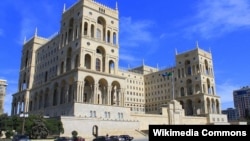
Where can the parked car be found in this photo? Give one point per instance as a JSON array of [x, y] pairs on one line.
[[126, 137], [20, 138], [101, 138], [63, 139], [116, 138]]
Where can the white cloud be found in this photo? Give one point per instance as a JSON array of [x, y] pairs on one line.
[[135, 32], [217, 17], [5, 72], [225, 91], [139, 36], [28, 26]]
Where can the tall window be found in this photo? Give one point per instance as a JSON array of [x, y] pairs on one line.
[[98, 34], [98, 64], [114, 38]]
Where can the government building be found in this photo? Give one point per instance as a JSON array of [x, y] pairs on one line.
[[3, 86], [75, 76]]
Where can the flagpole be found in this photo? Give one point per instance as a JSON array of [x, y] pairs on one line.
[[172, 84]]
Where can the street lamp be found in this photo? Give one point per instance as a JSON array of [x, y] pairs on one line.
[[23, 115]]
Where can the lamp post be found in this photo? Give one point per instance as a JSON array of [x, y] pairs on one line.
[[23, 115]]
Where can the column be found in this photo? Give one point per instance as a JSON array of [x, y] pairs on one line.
[[109, 94]]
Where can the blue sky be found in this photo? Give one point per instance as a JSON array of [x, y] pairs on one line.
[[149, 31]]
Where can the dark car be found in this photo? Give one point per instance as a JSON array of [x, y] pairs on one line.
[[21, 138], [63, 139], [126, 137], [101, 138], [115, 138]]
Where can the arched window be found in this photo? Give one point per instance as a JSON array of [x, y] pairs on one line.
[[98, 64], [114, 38], [98, 34], [111, 67], [188, 68], [87, 61], [108, 37], [206, 67], [182, 91], [62, 68], [85, 32], [209, 89], [77, 61], [189, 87], [68, 60], [92, 31]]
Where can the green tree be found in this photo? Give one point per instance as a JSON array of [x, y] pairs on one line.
[[3, 119], [1, 133], [54, 126], [34, 125], [39, 130], [8, 134]]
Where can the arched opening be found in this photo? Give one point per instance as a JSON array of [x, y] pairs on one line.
[[88, 90], [77, 61], [101, 59], [87, 61], [95, 130], [62, 68], [188, 68], [208, 106], [209, 90], [189, 87], [189, 110], [26, 58], [116, 98], [92, 31], [103, 91], [46, 98], [182, 91], [55, 94], [101, 28], [114, 38], [98, 64], [71, 28], [85, 32], [68, 60], [62, 92], [111, 67], [206, 67], [108, 36], [197, 89]]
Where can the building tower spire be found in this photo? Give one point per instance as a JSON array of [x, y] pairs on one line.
[[210, 50], [116, 5], [64, 7], [197, 44], [36, 32], [24, 41]]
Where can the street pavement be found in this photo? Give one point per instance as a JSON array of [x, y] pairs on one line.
[[141, 139]]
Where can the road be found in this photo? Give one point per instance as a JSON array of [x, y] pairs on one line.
[[141, 139]]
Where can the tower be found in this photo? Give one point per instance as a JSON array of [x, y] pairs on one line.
[[195, 83], [3, 85], [77, 65]]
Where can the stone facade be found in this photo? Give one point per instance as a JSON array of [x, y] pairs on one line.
[[3, 86], [75, 75]]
